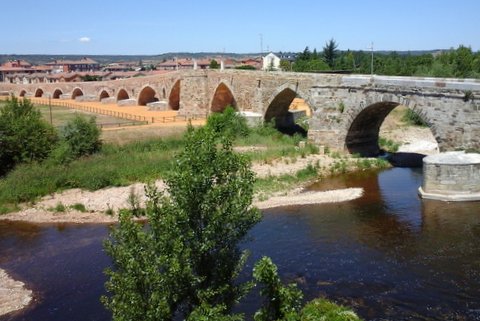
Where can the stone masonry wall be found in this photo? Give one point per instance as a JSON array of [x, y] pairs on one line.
[[337, 101]]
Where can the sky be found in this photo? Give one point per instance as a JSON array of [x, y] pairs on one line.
[[149, 27]]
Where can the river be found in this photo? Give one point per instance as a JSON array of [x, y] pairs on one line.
[[389, 255]]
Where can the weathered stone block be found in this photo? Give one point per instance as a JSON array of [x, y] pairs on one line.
[[127, 102], [452, 176]]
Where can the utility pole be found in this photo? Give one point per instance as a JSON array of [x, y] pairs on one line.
[[371, 63], [50, 108], [261, 44]]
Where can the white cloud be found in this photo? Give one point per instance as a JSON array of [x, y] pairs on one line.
[[84, 39]]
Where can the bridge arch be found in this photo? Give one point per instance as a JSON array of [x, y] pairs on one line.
[[174, 97], [22, 93], [77, 92], [103, 94], [39, 92], [278, 107], [364, 127], [222, 98], [147, 95], [57, 93], [122, 94]]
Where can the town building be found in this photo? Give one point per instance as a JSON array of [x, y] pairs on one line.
[[271, 62], [81, 65]]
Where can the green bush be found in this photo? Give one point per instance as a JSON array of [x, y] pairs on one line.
[[412, 118], [228, 124], [24, 136], [81, 137], [322, 309]]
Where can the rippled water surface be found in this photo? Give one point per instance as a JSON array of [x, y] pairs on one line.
[[388, 254]]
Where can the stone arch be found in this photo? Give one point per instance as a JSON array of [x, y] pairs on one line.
[[103, 94], [22, 93], [147, 95], [174, 97], [39, 92], [122, 94], [364, 127], [222, 98], [57, 93], [77, 92]]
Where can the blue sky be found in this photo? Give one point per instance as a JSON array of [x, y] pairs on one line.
[[154, 27]]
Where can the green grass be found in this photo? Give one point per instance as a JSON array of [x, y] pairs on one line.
[[265, 187], [113, 166], [388, 145], [120, 165], [62, 115], [78, 207]]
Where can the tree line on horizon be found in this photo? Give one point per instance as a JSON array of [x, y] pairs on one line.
[[461, 62]]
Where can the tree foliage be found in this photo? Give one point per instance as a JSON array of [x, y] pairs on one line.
[[188, 259], [214, 64], [461, 62], [24, 135], [330, 53], [284, 303], [281, 302], [228, 123], [80, 137]]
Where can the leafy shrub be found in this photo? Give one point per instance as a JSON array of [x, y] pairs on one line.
[[81, 137], [228, 124], [24, 135], [78, 207], [388, 144], [322, 309], [412, 118]]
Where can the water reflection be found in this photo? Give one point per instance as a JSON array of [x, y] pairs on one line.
[[389, 254]]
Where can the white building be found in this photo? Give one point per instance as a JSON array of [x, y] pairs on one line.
[[271, 62]]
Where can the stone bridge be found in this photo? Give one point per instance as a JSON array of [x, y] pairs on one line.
[[348, 110]]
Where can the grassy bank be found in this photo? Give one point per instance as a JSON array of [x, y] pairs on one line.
[[121, 165]]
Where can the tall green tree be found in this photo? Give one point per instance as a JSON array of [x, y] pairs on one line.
[[188, 258], [330, 52], [24, 135], [214, 64]]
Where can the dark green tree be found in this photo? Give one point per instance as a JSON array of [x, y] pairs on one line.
[[330, 52], [188, 259], [80, 137], [24, 135], [214, 64], [305, 55]]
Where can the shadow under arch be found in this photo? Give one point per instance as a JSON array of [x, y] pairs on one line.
[[22, 93], [278, 110], [57, 93], [103, 94], [147, 95], [222, 98], [77, 92], [363, 132], [174, 97], [39, 92], [122, 95]]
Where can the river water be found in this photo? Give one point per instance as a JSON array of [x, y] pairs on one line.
[[389, 255]]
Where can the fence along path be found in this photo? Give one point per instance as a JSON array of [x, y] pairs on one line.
[[136, 113]]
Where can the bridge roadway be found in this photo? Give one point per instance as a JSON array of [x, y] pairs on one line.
[[348, 110]]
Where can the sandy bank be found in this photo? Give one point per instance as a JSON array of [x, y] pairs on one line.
[[98, 202], [13, 294], [333, 196]]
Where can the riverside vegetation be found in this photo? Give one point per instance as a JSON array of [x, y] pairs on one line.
[[66, 162]]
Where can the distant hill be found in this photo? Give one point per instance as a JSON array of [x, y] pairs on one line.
[[39, 59]]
